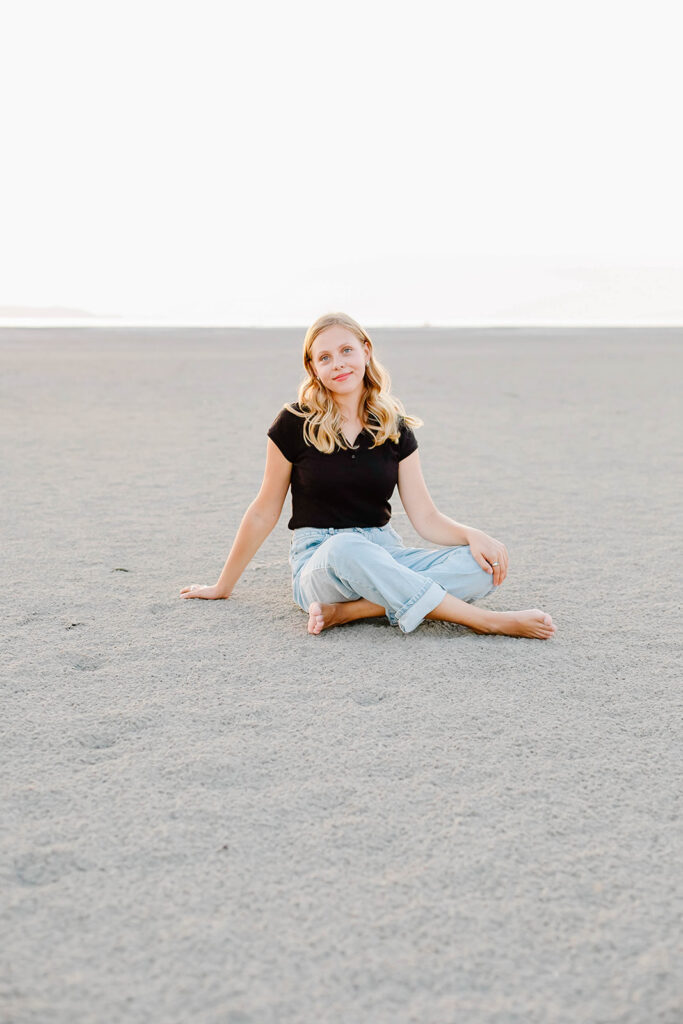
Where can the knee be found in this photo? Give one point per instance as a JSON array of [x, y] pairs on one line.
[[343, 547], [482, 581]]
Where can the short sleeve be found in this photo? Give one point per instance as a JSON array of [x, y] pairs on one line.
[[286, 432], [407, 442]]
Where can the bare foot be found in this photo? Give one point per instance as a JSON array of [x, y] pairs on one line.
[[530, 623], [322, 616]]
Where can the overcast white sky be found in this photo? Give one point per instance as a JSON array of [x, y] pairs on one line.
[[265, 162]]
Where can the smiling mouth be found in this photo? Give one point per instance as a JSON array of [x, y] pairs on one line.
[[343, 376]]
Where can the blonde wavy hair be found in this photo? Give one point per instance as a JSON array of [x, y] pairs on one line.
[[381, 412]]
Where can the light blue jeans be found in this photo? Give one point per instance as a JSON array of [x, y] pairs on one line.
[[334, 565]]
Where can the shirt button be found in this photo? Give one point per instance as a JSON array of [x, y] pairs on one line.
[[353, 456]]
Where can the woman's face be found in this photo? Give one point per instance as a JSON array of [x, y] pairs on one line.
[[338, 358]]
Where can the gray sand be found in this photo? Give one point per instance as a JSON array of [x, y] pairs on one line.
[[211, 816]]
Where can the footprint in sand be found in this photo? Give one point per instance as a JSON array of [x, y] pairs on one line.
[[366, 698], [48, 867], [97, 741], [85, 663]]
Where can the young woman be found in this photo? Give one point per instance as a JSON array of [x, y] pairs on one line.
[[343, 447]]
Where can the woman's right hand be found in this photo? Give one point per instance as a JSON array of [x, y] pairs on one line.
[[200, 590]]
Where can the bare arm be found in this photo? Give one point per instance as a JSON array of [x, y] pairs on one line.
[[425, 517], [434, 526], [258, 521]]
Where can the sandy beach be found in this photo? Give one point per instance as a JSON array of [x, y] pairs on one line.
[[210, 816]]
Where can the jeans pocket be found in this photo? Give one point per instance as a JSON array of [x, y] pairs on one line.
[[392, 532], [303, 544]]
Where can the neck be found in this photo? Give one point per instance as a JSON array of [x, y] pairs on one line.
[[350, 407], [349, 415]]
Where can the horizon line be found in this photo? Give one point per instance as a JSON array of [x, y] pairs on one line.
[[96, 323]]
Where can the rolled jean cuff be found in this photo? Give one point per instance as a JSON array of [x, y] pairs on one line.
[[413, 612]]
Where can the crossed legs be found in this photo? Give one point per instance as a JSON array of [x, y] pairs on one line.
[[349, 575], [531, 623]]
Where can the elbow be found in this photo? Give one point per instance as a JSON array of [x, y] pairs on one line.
[[425, 525]]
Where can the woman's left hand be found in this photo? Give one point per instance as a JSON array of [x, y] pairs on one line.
[[487, 550]]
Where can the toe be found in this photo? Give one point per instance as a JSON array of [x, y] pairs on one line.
[[315, 622]]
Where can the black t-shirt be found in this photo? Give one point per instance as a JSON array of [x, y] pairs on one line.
[[345, 488]]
